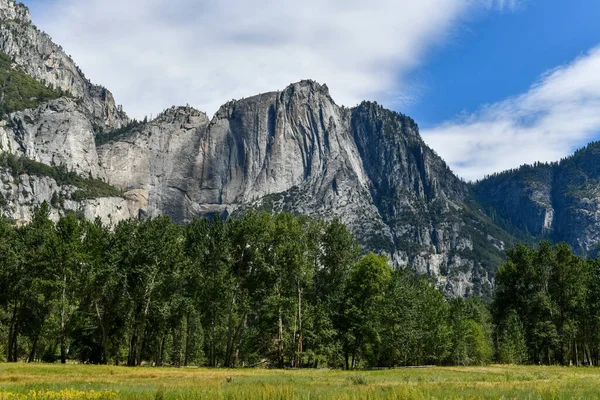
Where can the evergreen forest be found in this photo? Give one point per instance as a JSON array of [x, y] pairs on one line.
[[280, 291]]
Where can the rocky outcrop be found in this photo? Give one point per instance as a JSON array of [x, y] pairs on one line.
[[56, 133], [19, 197], [12, 11], [39, 57], [155, 163]]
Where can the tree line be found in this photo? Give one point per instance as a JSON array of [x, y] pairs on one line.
[[260, 290], [276, 291], [547, 307]]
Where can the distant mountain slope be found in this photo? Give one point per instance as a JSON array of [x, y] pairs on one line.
[[559, 201]]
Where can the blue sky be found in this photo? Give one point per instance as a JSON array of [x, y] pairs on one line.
[[498, 55], [493, 84]]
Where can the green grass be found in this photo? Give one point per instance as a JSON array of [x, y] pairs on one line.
[[493, 382]]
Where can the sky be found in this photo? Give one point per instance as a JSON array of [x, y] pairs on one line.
[[493, 84]]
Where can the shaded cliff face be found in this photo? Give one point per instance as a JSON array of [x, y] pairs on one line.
[[559, 201], [521, 199], [576, 195], [437, 226]]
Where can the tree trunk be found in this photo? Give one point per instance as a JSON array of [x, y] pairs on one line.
[[230, 330], [354, 351], [12, 336], [188, 340], [104, 356], [63, 322], [300, 349], [238, 337], [132, 356], [31, 357], [63, 350], [213, 333], [161, 351], [16, 347], [280, 336]]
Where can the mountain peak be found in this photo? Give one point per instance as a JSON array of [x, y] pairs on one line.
[[11, 10], [307, 87], [177, 112]]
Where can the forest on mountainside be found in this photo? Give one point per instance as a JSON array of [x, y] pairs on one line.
[[19, 91]]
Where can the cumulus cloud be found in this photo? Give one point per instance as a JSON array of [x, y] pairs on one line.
[[557, 114], [156, 53]]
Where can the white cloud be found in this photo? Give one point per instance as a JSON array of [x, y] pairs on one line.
[[156, 53], [557, 114]]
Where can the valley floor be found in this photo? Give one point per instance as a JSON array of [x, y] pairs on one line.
[[492, 382]]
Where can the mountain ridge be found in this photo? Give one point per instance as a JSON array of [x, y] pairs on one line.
[[558, 201], [294, 150]]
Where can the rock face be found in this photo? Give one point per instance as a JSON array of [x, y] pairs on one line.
[[56, 133], [154, 165], [47, 62], [296, 150], [522, 196], [293, 150], [559, 201], [10, 10], [19, 197]]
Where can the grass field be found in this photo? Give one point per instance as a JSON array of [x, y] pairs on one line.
[[493, 382]]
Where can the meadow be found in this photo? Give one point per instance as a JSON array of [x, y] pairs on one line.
[[39, 381]]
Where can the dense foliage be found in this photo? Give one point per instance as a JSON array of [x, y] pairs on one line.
[[104, 136], [88, 187], [547, 306], [279, 291], [19, 91]]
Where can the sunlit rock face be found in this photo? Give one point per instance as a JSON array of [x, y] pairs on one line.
[[296, 150], [293, 150]]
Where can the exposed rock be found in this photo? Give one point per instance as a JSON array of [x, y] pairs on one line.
[[10, 10], [56, 133], [35, 52], [524, 194], [19, 198], [559, 201], [296, 150], [154, 164]]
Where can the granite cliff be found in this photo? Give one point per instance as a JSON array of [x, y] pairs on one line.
[[293, 150]]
